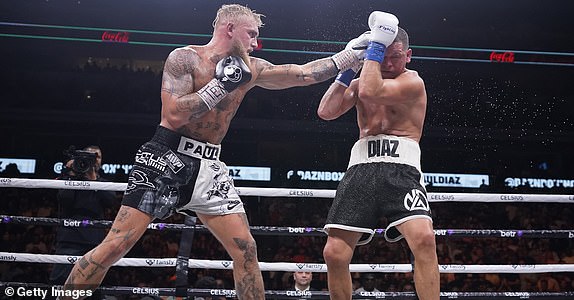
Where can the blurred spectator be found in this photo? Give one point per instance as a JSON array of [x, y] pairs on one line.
[[367, 283], [547, 284], [302, 281], [11, 171]]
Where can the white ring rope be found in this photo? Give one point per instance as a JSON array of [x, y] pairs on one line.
[[283, 266], [287, 192]]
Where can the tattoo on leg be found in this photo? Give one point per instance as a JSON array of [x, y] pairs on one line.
[[248, 249], [126, 238], [123, 215], [98, 267], [83, 263], [247, 286]]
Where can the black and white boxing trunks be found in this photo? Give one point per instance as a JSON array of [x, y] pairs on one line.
[[173, 173], [384, 179]]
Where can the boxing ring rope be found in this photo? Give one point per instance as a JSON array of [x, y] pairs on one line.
[[290, 267], [295, 231], [286, 192], [298, 231]]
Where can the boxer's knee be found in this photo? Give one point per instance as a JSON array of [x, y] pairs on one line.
[[423, 244], [335, 254]]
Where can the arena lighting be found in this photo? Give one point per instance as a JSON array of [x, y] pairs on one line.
[[435, 53]]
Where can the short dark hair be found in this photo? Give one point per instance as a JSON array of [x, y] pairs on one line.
[[402, 37]]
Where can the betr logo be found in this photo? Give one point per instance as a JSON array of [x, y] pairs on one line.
[[71, 223], [507, 233], [296, 230]]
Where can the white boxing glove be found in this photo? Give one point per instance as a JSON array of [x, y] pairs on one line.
[[384, 28], [359, 44], [353, 54]]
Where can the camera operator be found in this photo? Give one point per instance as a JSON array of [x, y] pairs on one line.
[[80, 205]]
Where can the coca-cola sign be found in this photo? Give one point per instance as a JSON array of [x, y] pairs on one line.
[[507, 57], [116, 37]]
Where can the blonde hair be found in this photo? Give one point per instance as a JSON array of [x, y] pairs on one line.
[[232, 12]]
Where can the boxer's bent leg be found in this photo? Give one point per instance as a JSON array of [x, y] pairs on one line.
[[420, 237], [232, 230], [338, 253], [127, 229]]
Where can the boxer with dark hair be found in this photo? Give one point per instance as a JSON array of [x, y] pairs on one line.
[[179, 169], [384, 177]]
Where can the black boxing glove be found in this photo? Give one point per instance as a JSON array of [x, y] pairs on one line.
[[230, 73]]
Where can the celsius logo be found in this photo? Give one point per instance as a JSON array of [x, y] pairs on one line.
[[416, 200]]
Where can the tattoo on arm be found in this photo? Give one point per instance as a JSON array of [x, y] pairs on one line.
[[178, 81], [315, 71], [191, 103], [321, 70]]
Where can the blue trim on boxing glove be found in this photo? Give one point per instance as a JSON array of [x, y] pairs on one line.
[[346, 77], [375, 51]]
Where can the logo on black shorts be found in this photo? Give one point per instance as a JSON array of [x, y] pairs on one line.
[[173, 162], [138, 178], [416, 200]]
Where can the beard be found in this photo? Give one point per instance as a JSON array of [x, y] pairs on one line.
[[237, 49]]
